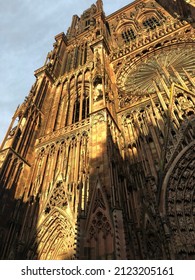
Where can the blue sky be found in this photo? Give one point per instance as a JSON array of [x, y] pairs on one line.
[[27, 31]]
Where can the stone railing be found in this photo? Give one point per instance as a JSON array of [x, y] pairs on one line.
[[148, 37], [61, 132]]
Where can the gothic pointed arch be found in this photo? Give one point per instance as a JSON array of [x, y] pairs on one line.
[[54, 238], [99, 226], [150, 18], [55, 233], [152, 242], [58, 197], [104, 139], [178, 202]]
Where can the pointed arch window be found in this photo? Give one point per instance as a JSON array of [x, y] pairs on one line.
[[151, 23], [128, 35], [69, 62], [76, 55], [76, 110], [85, 106], [81, 107], [85, 53]]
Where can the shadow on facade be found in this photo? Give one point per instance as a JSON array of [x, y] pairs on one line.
[[18, 225], [122, 219], [179, 8], [165, 192], [129, 214]]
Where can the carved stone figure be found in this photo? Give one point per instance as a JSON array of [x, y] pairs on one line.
[[98, 161]]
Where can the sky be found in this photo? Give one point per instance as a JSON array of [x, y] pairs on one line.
[[27, 31]]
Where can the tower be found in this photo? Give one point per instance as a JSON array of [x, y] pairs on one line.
[[98, 161]]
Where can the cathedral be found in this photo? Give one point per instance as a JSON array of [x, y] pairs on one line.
[[99, 160]]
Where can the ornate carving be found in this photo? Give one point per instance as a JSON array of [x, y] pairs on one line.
[[80, 126], [173, 151], [148, 38], [103, 106], [58, 198], [153, 244], [98, 118], [99, 202], [180, 201], [55, 237], [99, 223], [139, 80]]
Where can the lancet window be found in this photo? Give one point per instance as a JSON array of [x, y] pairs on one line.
[[76, 110], [81, 107], [151, 23], [69, 62], [128, 35], [85, 106], [76, 57]]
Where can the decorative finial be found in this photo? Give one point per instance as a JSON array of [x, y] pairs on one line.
[[99, 4]]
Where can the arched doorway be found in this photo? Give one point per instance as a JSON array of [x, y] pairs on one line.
[[178, 203]]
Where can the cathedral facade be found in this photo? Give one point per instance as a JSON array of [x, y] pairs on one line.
[[99, 160]]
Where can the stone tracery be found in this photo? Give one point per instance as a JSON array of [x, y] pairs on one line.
[[180, 203], [107, 130]]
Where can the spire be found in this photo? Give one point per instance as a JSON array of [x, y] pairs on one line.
[[99, 4]]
